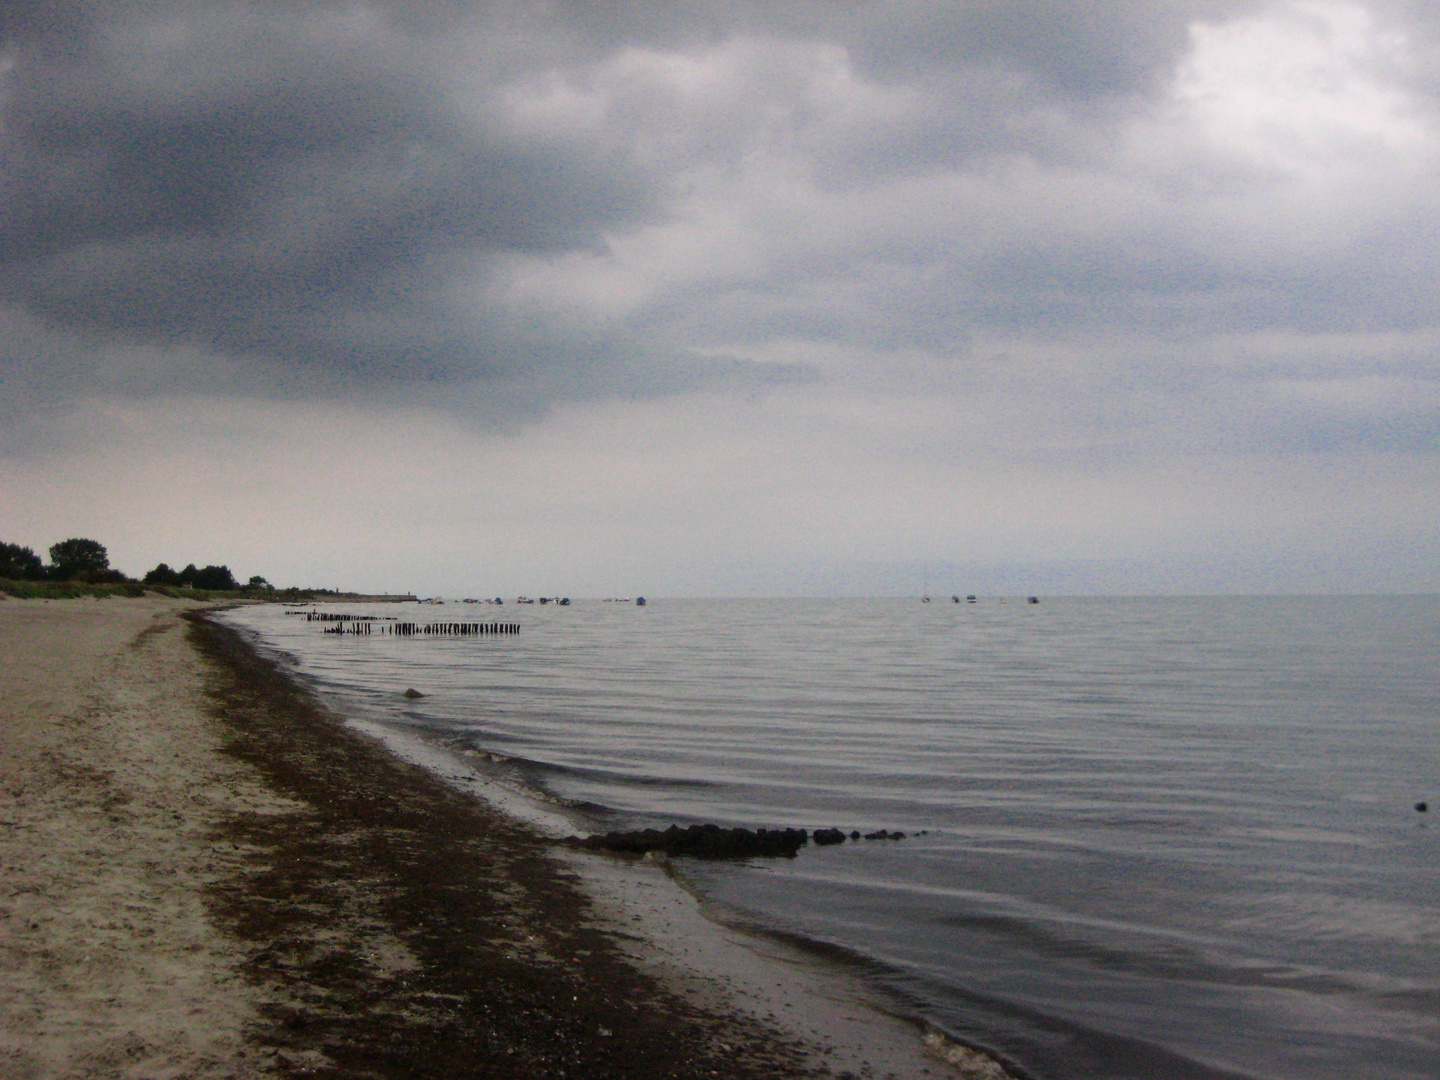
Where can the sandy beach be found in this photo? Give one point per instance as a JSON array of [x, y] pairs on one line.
[[203, 873], [113, 785]]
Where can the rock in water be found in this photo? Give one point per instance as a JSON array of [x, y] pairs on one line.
[[413, 693], [702, 841]]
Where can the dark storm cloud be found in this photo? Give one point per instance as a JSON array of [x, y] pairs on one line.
[[243, 179], [1077, 50], [330, 199]]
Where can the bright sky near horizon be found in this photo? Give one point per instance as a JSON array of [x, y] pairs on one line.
[[802, 297]]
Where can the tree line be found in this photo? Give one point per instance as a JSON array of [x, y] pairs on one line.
[[82, 560]]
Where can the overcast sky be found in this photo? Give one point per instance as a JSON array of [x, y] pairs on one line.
[[727, 298]]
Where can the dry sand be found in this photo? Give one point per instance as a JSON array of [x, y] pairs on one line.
[[111, 786], [205, 874]]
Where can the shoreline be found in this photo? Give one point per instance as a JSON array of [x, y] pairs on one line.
[[364, 917], [838, 1025]]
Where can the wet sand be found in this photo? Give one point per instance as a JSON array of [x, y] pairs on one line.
[[203, 873]]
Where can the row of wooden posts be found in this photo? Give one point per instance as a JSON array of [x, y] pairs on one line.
[[407, 629], [374, 624]]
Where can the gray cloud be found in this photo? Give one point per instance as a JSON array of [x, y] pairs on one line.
[[260, 184], [501, 206]]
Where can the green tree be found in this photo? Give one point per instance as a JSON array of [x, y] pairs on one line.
[[162, 575], [78, 559], [211, 577], [20, 562]]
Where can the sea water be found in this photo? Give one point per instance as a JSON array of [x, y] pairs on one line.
[[1148, 838]]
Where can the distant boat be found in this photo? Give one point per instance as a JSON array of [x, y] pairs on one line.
[[639, 601]]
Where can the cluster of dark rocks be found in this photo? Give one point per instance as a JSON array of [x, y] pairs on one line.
[[717, 842]]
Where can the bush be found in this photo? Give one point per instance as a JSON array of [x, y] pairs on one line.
[[67, 590]]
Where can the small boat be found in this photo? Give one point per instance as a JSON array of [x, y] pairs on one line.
[[639, 601]]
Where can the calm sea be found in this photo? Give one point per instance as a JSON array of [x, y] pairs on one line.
[[1147, 838]]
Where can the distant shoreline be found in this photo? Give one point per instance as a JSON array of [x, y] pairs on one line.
[[24, 589]]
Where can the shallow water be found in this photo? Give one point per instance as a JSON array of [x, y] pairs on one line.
[[1148, 838]]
